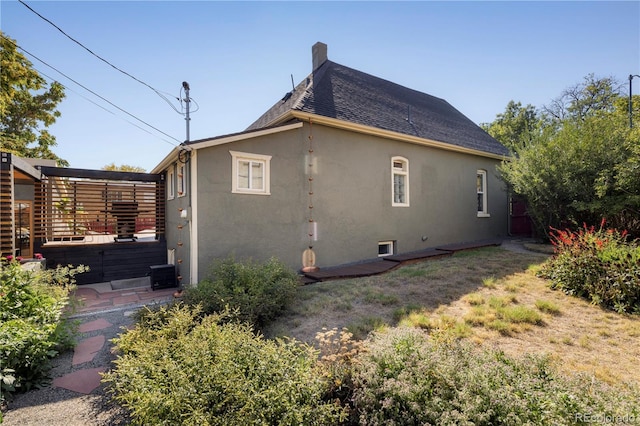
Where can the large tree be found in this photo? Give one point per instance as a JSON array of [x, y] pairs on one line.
[[123, 168], [580, 101], [27, 105], [583, 167], [516, 127]]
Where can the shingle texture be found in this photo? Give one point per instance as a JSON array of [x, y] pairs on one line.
[[343, 93]]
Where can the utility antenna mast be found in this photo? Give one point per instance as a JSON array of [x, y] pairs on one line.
[[187, 101]]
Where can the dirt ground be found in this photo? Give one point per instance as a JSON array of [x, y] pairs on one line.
[[581, 337]]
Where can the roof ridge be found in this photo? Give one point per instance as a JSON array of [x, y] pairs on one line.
[[308, 84], [311, 80], [340, 92], [388, 81]]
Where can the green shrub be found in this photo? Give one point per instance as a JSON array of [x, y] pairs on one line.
[[597, 264], [404, 378], [259, 292], [174, 369], [32, 326]]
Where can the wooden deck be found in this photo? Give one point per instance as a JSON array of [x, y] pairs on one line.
[[470, 245], [385, 264], [364, 269], [419, 255]]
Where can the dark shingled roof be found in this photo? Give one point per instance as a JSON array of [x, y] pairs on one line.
[[343, 93]]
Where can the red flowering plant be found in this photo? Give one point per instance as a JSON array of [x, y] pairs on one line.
[[598, 264]]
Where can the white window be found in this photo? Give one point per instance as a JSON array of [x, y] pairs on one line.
[[481, 186], [250, 173], [400, 181], [171, 182], [385, 248], [182, 180]]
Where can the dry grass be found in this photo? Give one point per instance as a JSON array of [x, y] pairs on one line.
[[490, 296]]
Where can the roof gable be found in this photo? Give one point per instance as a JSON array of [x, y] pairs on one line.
[[343, 93]]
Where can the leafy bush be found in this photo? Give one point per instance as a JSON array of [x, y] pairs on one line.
[[579, 168], [174, 369], [259, 292], [405, 378], [32, 327], [597, 264]]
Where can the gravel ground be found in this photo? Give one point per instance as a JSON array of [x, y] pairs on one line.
[[58, 406]]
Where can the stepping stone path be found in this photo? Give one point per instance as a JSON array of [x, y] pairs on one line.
[[104, 313], [95, 299], [85, 380], [81, 381], [76, 391]]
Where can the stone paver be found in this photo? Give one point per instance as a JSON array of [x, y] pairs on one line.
[[81, 381], [86, 293], [87, 349], [94, 304], [99, 324], [123, 300]]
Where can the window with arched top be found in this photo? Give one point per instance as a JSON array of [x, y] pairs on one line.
[[399, 181]]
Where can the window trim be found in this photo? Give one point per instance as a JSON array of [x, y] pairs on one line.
[[484, 191], [403, 171], [392, 248], [171, 183], [181, 180], [236, 157]]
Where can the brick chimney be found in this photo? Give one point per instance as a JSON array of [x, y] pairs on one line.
[[318, 54]]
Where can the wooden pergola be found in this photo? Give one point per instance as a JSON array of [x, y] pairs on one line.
[[74, 204], [113, 222]]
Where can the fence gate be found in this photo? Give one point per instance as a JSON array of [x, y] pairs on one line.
[[520, 223]]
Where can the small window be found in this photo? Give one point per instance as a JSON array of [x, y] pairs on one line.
[[481, 186], [182, 180], [171, 182], [250, 173], [400, 181], [385, 248]]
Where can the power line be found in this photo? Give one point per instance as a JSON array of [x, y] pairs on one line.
[[101, 58], [102, 107], [190, 99], [89, 90]]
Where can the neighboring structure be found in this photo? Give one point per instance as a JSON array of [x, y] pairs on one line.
[[17, 179], [112, 222], [349, 164]]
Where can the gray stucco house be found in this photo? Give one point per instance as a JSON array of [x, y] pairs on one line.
[[352, 165]]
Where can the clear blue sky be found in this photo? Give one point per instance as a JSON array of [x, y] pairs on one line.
[[238, 58]]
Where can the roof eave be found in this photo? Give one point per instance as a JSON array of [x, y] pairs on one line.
[[206, 143], [360, 128], [244, 136], [19, 163], [166, 161]]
